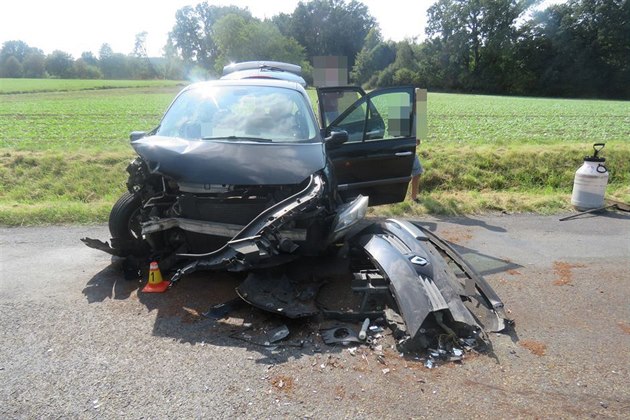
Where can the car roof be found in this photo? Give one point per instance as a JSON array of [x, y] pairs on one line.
[[264, 73], [264, 70]]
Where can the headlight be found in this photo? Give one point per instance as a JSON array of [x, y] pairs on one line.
[[348, 215]]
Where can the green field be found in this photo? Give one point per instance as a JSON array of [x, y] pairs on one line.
[[64, 85], [64, 148]]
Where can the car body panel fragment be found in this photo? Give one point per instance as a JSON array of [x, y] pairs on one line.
[[231, 162], [278, 293], [425, 288]]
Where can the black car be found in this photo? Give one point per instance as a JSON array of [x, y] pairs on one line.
[[233, 158], [241, 175]]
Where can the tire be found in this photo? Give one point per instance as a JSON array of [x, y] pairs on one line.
[[124, 219]]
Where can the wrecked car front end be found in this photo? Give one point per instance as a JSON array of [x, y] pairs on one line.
[[235, 176]]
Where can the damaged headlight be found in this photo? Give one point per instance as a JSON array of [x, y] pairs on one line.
[[348, 215]]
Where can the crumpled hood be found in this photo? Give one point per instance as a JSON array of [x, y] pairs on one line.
[[231, 162]]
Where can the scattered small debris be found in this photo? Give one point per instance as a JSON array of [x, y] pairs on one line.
[[535, 347], [282, 383], [385, 371]]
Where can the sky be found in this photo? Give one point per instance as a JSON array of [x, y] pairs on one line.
[[77, 26]]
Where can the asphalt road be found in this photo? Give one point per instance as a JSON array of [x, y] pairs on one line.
[[79, 341]]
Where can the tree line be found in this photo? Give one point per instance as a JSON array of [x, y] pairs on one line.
[[18, 59], [580, 48]]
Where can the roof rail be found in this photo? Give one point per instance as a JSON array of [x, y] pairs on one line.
[[269, 65]]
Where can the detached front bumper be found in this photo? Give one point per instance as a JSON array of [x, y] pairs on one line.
[[435, 289]]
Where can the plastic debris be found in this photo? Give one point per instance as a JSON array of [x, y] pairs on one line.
[[364, 327], [339, 335], [277, 334], [221, 310]]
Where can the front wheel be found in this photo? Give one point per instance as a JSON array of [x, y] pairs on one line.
[[124, 219]]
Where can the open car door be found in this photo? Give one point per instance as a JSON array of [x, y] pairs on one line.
[[377, 159]]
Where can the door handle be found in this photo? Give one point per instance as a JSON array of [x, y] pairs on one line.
[[401, 154]]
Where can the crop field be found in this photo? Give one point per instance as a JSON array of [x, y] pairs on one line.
[[64, 85], [64, 148]]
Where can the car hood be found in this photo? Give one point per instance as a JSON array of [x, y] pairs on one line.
[[230, 162]]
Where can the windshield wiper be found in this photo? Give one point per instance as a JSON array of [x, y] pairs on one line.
[[256, 139]]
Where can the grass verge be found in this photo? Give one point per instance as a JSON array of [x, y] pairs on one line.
[[80, 187], [64, 148]]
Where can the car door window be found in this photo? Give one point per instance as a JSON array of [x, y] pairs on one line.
[[335, 103], [382, 116], [391, 116]]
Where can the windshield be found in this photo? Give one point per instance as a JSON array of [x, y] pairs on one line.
[[239, 113]]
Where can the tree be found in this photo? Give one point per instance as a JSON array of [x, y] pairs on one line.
[[474, 41], [375, 56], [89, 58], [113, 65], [11, 68], [143, 68], [26, 59], [329, 27], [59, 64], [239, 39], [105, 52], [34, 65], [580, 48], [83, 70], [174, 65], [17, 49], [193, 37]]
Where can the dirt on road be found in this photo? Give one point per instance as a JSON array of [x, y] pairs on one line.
[[79, 341]]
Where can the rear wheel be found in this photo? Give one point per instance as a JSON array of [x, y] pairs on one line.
[[124, 219]]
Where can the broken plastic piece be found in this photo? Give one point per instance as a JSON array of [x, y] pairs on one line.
[[277, 334], [364, 327], [339, 335], [221, 310]]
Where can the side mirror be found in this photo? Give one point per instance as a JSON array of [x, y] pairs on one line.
[[336, 138], [136, 135]]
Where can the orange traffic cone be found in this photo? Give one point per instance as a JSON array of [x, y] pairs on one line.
[[155, 284]]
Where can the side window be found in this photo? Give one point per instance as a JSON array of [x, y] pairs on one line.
[[390, 116], [334, 104], [353, 123], [381, 115]]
